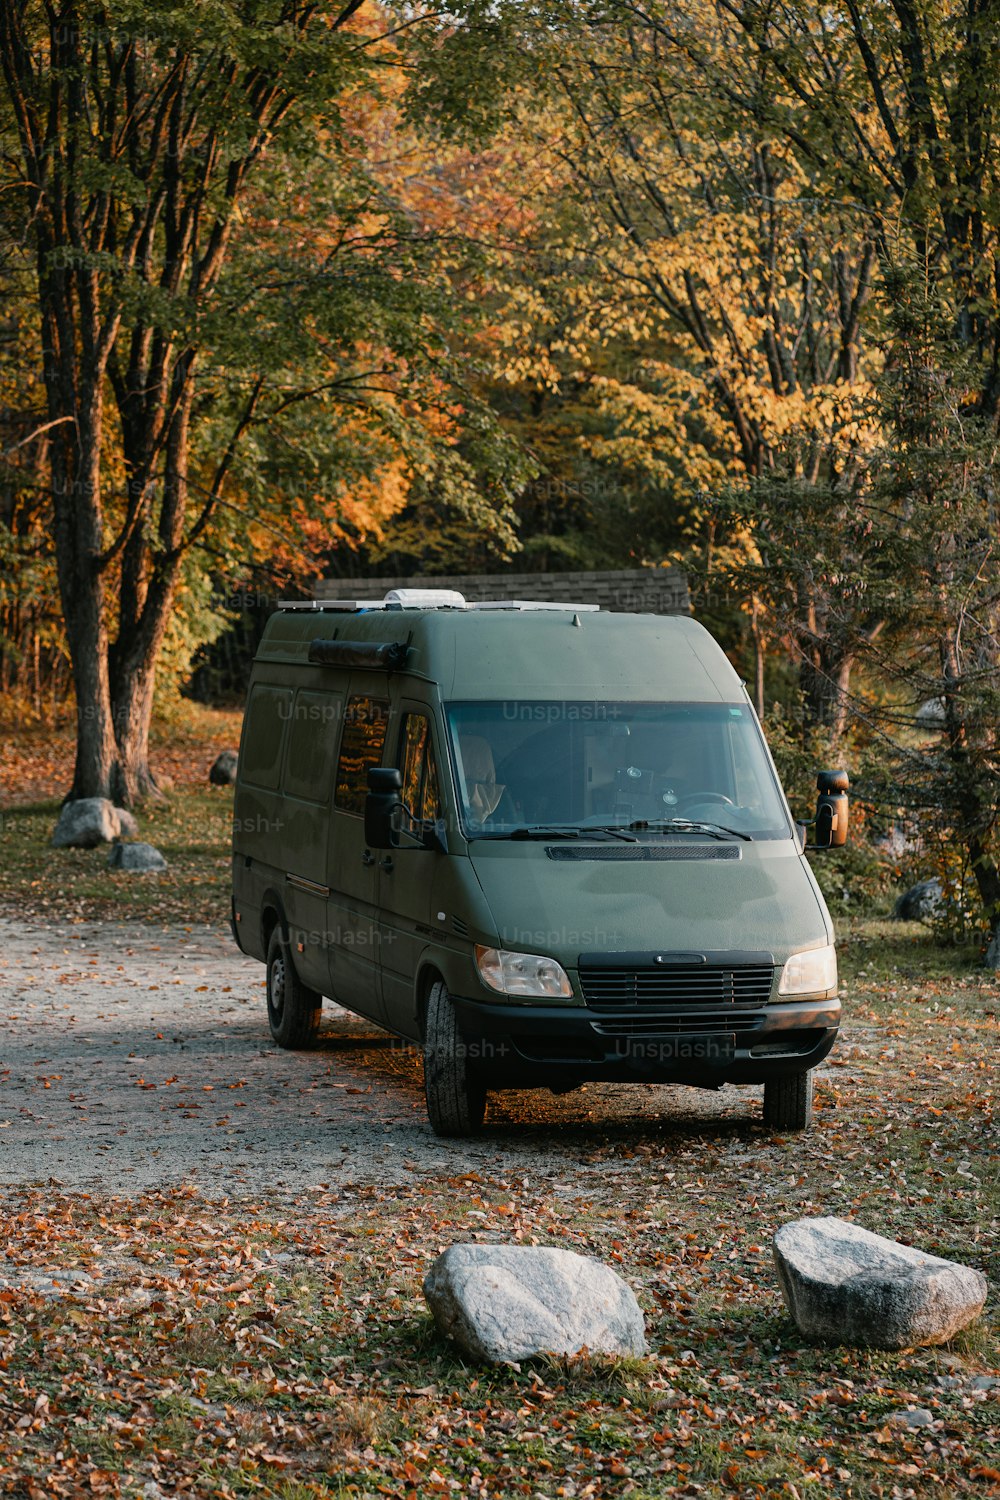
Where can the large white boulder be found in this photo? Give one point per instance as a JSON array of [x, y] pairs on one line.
[[846, 1285], [505, 1303]]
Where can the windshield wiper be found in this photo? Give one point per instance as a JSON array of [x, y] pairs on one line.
[[558, 831], [536, 831], [539, 831], [617, 830], [686, 825]]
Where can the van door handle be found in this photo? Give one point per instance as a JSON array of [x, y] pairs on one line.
[[368, 857], [386, 864]]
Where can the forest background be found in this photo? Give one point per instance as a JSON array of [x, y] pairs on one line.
[[292, 290]]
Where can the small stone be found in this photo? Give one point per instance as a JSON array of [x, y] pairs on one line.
[[846, 1285], [932, 715], [85, 823], [135, 857], [914, 1416], [985, 1383], [507, 1303], [223, 772]]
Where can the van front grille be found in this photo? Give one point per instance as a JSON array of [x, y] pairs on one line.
[[676, 986]]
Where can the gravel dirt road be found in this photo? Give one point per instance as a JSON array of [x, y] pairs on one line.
[[139, 1057]]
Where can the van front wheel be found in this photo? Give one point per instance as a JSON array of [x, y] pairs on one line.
[[293, 1011], [456, 1098], [788, 1102]]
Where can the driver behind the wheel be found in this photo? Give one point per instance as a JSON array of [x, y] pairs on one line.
[[482, 790]]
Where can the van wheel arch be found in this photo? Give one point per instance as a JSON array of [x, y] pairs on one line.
[[427, 978], [272, 915]]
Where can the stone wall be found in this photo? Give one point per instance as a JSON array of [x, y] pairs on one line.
[[657, 591]]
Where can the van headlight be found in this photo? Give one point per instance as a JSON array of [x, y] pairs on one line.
[[522, 973], [810, 973]]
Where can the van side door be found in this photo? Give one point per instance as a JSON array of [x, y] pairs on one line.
[[406, 882], [352, 868], [257, 808], [307, 783]]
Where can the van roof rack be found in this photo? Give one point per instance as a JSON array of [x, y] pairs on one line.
[[430, 599]]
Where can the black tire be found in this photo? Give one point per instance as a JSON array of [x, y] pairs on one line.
[[293, 1011], [456, 1097], [788, 1102]]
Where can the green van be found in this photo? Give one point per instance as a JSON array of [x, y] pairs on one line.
[[546, 844]]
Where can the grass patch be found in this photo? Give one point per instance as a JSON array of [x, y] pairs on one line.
[[191, 829], [190, 825]]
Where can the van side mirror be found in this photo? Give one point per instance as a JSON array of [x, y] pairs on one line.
[[383, 807], [831, 810], [389, 824]]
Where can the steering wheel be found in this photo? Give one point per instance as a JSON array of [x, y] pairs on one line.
[[691, 799]]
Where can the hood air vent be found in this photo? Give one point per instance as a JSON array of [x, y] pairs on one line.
[[644, 851]]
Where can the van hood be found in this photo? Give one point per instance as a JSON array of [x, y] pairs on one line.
[[555, 900]]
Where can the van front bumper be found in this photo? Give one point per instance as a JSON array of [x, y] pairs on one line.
[[529, 1046]]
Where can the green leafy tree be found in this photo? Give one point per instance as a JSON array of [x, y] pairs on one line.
[[892, 111], [717, 314], [229, 309]]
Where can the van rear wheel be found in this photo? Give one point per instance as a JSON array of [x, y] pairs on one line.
[[456, 1098], [293, 1010], [788, 1102]]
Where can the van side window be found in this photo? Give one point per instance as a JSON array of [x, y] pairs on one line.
[[360, 748], [268, 712], [420, 780], [312, 740]]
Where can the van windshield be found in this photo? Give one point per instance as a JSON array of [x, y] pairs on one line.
[[521, 764]]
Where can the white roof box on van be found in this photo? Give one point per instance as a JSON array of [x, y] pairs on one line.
[[425, 599]]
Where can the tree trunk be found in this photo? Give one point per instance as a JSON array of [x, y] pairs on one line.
[[825, 679], [972, 795], [76, 493], [759, 652], [132, 778]]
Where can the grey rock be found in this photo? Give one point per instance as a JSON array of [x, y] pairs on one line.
[[921, 901], [846, 1285], [931, 716], [506, 1303], [223, 772], [85, 823], [128, 823], [993, 951], [985, 1383], [915, 1416], [135, 857]]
